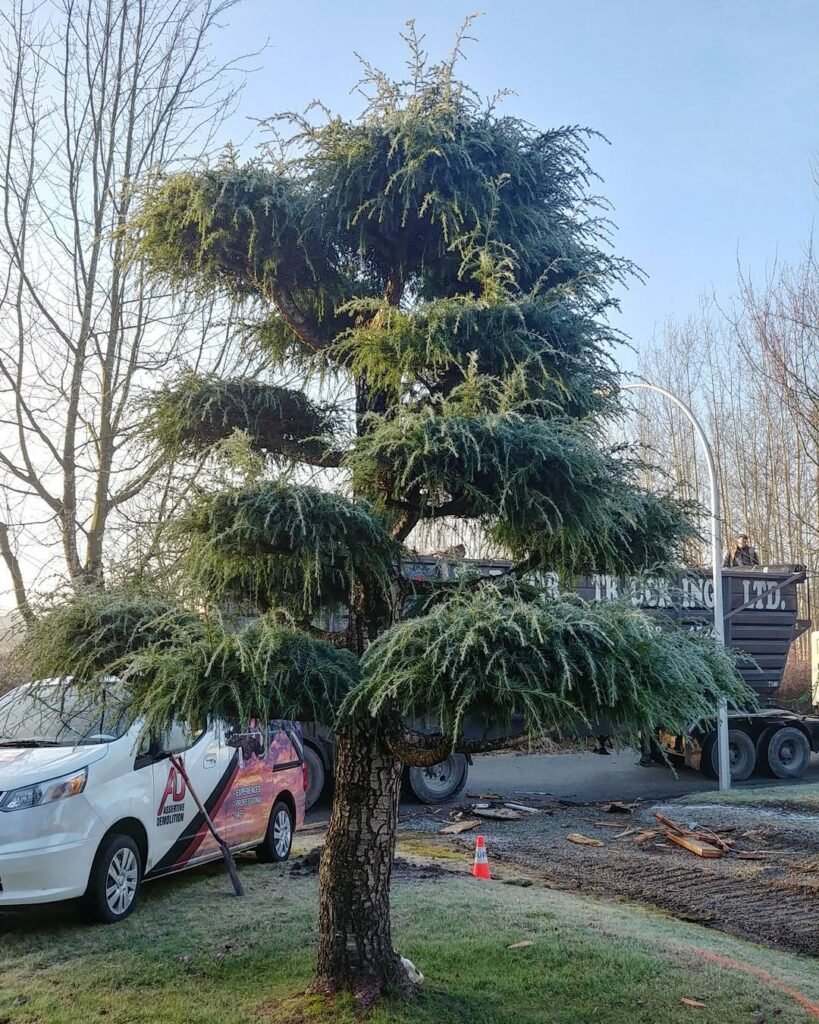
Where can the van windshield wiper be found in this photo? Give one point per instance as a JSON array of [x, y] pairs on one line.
[[32, 742]]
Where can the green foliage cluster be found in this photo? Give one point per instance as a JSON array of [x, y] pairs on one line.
[[265, 669], [452, 265], [195, 412], [510, 650], [276, 544], [561, 353], [183, 666], [541, 485], [89, 635]]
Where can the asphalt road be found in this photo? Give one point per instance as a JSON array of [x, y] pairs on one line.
[[584, 777], [589, 776]]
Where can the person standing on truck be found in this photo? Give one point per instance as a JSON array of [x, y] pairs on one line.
[[741, 555]]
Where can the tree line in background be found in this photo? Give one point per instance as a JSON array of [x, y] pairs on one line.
[[94, 96], [750, 371]]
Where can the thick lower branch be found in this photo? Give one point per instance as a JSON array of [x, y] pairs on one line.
[[422, 750]]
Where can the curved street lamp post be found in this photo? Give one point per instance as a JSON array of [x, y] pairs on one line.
[[716, 558]]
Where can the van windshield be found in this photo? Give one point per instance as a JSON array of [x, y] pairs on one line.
[[56, 715]]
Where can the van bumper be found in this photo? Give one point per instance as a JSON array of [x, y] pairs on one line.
[[46, 874]]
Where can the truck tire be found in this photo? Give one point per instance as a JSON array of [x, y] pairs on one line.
[[742, 754], [786, 753], [440, 782], [316, 776]]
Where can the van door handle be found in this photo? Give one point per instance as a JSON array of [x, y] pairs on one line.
[[209, 760]]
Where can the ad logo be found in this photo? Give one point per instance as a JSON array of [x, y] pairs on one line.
[[175, 791]]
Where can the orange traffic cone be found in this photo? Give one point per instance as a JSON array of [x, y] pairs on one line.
[[480, 869]]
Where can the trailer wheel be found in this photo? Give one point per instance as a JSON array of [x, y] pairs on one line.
[[762, 742], [440, 782], [742, 754], [787, 753], [316, 776]]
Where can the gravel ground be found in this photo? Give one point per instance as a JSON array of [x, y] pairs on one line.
[[772, 899]]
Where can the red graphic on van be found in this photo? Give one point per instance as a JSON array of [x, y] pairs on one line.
[[175, 790]]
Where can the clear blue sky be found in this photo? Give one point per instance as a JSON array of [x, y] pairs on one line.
[[711, 108]]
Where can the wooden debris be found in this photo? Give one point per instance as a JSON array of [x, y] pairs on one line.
[[496, 813], [522, 807], [647, 835], [618, 807], [521, 945], [669, 824], [626, 832], [581, 840], [694, 845], [699, 834], [750, 855], [695, 1004], [458, 826], [484, 796]]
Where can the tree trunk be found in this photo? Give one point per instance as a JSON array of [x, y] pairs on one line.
[[355, 944]]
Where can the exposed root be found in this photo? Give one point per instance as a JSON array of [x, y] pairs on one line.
[[368, 989]]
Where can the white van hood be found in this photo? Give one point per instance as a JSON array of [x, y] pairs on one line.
[[24, 766]]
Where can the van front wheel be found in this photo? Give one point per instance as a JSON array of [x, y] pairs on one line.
[[276, 844], [116, 878]]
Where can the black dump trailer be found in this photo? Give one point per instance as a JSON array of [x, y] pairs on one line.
[[761, 622]]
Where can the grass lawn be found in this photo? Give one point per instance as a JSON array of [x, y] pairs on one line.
[[194, 954], [799, 796]]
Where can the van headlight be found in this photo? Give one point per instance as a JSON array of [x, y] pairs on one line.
[[44, 792]]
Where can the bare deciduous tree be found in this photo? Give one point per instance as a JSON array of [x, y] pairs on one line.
[[750, 373], [94, 95]]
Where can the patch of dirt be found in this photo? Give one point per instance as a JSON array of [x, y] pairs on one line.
[[307, 864], [404, 869], [772, 900]]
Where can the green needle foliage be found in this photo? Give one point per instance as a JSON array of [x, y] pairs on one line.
[[196, 412], [507, 650], [451, 265], [179, 665], [277, 544], [90, 635], [266, 669]]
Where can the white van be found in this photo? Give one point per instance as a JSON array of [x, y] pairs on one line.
[[89, 807]]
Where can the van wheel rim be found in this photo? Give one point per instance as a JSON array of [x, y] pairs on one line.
[[281, 833], [121, 881]]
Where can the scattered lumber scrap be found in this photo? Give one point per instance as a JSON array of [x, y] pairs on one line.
[[496, 813], [618, 807], [484, 796], [459, 826], [694, 1004], [525, 808], [694, 845], [647, 835], [699, 836], [581, 840]]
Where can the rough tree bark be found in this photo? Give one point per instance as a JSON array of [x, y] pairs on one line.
[[355, 938]]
